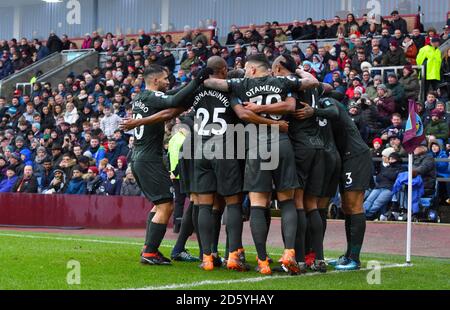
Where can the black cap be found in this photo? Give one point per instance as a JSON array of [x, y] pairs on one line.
[[396, 156], [395, 12]]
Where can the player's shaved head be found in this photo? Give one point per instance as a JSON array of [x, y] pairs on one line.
[[217, 64], [259, 60], [153, 70], [285, 61], [156, 78]]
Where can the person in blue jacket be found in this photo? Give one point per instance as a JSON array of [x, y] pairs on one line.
[[8, 182], [112, 185], [442, 168], [77, 186]]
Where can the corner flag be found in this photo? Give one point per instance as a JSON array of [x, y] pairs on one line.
[[414, 131]]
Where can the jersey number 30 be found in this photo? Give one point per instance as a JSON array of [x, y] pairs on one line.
[[269, 100], [138, 131]]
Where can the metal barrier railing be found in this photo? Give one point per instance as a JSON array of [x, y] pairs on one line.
[[384, 71]]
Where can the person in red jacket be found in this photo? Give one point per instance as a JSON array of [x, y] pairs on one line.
[[385, 104]]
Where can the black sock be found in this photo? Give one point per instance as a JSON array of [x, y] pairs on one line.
[[289, 223], [186, 230], [357, 231], [217, 224], [227, 243], [156, 235], [234, 226], [308, 243], [348, 223], [205, 227], [316, 231], [147, 228], [195, 223], [300, 237], [258, 226], [324, 215], [268, 216]]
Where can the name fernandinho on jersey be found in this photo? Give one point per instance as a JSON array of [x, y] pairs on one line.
[[212, 93], [263, 89], [139, 104]]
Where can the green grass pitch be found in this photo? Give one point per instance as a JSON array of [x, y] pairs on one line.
[[40, 261]]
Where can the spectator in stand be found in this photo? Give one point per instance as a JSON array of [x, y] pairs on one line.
[[76, 186], [87, 42], [198, 36], [395, 56], [309, 30], [418, 38], [111, 186], [398, 93], [169, 43], [129, 186], [441, 107], [58, 184], [231, 35], [429, 105], [93, 181], [66, 43], [377, 152], [382, 194], [42, 51], [385, 41], [424, 166], [343, 60], [398, 23], [431, 33], [280, 36], [385, 104], [97, 150], [410, 83], [110, 122], [356, 82], [96, 37], [144, 39], [7, 183], [365, 25], [397, 128], [333, 30], [27, 183], [437, 127], [322, 32], [54, 43], [295, 30], [351, 21], [438, 152], [369, 115], [190, 61], [399, 37], [431, 55], [410, 49]]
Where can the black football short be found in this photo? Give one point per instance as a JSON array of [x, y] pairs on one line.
[[356, 173], [332, 176], [310, 166], [222, 176], [186, 167], [259, 179], [153, 180]]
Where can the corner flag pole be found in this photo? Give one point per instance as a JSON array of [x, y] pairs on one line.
[[409, 226]]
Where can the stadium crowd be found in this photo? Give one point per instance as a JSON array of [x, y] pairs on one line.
[[65, 138]]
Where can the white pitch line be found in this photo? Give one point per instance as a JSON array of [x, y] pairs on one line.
[[99, 241], [257, 279]]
